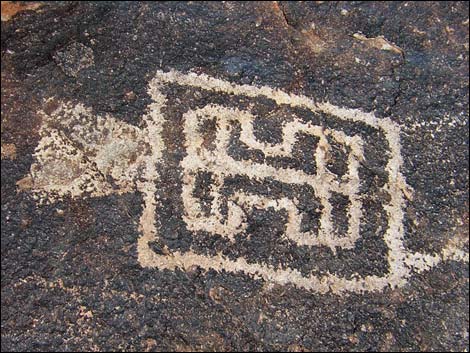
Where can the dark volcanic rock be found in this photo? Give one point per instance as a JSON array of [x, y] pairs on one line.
[[71, 279]]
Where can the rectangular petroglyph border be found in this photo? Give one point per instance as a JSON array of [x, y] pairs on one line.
[[399, 271]]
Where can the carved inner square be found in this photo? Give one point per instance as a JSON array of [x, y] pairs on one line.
[[207, 154]]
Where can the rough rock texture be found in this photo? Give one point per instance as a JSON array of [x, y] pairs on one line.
[[71, 279]]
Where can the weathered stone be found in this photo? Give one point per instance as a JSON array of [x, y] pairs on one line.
[[234, 176]]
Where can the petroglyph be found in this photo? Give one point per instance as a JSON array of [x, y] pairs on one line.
[[84, 155], [219, 162]]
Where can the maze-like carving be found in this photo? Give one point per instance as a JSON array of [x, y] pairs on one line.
[[221, 165], [81, 154]]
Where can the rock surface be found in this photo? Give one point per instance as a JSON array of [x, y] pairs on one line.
[[72, 274]]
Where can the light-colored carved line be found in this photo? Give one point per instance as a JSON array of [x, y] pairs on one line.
[[280, 97], [327, 283], [423, 262], [153, 120]]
